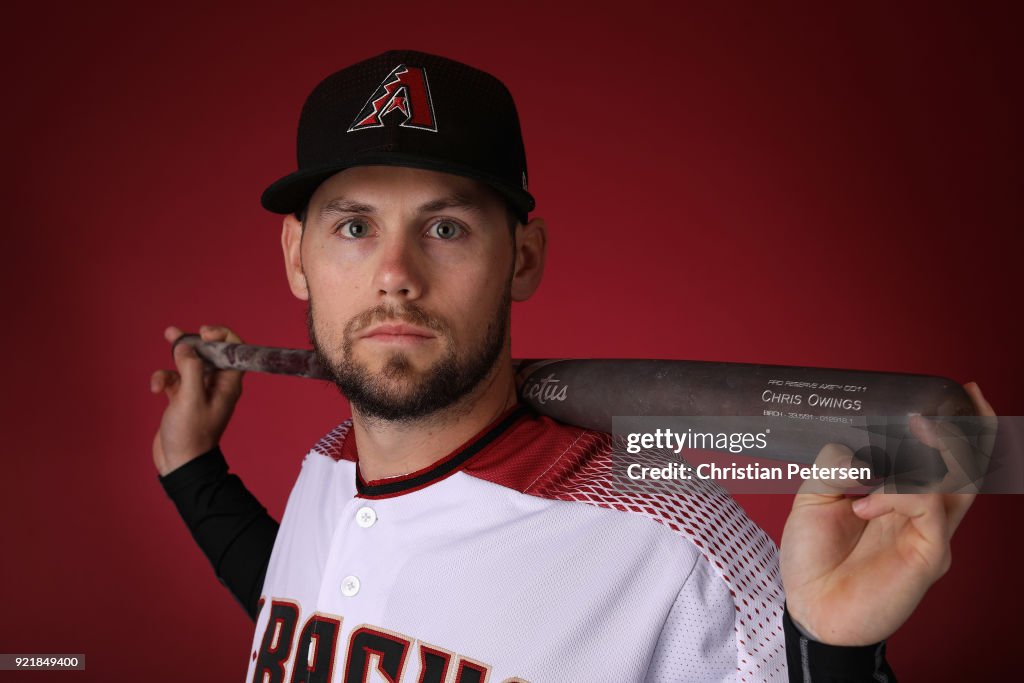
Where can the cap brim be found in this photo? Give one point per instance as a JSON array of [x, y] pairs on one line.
[[292, 192]]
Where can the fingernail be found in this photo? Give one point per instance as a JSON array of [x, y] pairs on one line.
[[860, 504]]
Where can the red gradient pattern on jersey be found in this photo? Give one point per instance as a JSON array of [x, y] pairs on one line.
[[336, 446]]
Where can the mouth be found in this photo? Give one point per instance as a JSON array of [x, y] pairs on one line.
[[398, 333]]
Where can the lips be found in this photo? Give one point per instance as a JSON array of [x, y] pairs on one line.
[[397, 332]]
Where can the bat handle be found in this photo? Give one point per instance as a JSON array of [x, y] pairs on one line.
[[252, 358]]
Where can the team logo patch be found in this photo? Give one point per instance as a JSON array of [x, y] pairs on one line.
[[404, 91]]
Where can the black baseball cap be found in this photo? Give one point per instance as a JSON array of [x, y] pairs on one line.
[[408, 108]]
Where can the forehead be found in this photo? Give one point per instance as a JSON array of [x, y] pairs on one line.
[[400, 187]]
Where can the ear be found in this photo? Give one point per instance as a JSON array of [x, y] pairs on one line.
[[291, 245], [531, 251]]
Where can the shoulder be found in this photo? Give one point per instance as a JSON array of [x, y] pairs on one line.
[[336, 444], [544, 458], [327, 464], [325, 479]]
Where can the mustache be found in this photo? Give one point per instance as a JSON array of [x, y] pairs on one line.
[[410, 313]]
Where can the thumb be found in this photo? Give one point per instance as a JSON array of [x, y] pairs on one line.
[[190, 368]]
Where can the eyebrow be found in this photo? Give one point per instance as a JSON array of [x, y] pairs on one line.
[[341, 205]]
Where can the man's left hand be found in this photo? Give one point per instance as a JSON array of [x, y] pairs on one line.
[[854, 569]]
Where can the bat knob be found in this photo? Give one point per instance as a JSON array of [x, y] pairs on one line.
[[190, 338], [194, 340]]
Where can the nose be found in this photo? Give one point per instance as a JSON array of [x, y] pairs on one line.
[[399, 272]]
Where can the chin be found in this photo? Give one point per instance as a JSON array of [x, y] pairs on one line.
[[395, 363]]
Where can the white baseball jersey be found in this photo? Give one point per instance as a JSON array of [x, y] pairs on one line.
[[514, 559]]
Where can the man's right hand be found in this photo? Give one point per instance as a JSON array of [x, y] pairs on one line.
[[199, 404]]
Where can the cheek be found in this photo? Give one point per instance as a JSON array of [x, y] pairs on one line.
[[341, 278], [331, 312], [333, 283], [477, 296]]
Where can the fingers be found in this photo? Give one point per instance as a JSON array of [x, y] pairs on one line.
[[907, 504], [167, 381], [190, 376], [946, 511], [218, 333], [207, 332], [225, 384], [172, 333], [965, 464], [925, 511], [190, 367], [966, 456], [982, 406], [988, 423], [164, 381]]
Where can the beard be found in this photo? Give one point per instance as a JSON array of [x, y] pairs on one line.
[[399, 392]]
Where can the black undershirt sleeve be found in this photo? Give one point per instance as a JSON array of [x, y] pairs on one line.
[[809, 661], [230, 526]]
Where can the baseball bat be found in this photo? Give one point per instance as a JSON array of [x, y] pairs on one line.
[[804, 407]]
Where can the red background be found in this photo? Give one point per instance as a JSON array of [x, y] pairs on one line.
[[812, 186]]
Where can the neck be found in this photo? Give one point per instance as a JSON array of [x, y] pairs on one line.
[[390, 449]]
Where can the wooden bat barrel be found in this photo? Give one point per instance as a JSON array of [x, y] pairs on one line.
[[804, 408]]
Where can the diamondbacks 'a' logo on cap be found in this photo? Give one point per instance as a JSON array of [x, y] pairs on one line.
[[405, 91]]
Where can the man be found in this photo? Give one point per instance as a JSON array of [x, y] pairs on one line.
[[446, 533]]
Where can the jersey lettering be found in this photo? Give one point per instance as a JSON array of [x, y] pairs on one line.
[[471, 672], [277, 643], [370, 650], [433, 664], [390, 651], [317, 641]]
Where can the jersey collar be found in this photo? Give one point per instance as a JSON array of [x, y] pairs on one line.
[[445, 467]]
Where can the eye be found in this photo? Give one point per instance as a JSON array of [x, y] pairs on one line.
[[353, 228], [446, 230]]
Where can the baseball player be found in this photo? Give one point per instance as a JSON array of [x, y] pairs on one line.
[[448, 534]]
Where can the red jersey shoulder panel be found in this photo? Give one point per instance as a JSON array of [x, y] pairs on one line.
[[336, 445]]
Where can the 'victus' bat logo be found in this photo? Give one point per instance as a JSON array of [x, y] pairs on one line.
[[405, 91], [547, 389]]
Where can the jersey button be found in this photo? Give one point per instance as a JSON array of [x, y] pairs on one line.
[[350, 586], [366, 517]]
